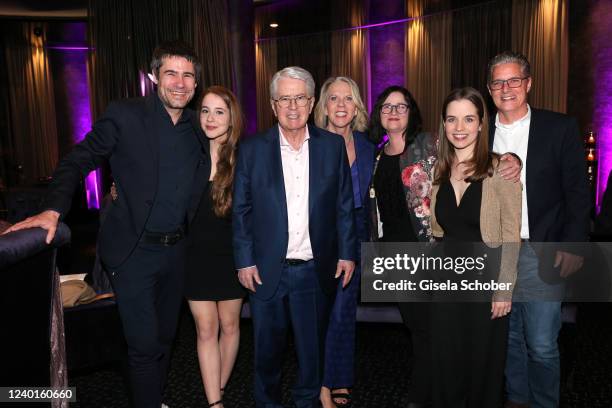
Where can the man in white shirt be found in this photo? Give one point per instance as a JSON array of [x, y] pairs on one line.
[[556, 208], [293, 236]]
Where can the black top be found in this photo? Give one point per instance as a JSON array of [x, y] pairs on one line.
[[462, 222], [211, 274], [391, 200], [179, 152]]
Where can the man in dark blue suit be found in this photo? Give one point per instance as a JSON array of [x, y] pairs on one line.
[[293, 236], [556, 208], [160, 164]]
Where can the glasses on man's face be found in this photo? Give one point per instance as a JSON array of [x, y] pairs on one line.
[[512, 83], [285, 101], [400, 108]]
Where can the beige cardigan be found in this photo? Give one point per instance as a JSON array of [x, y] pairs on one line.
[[500, 223]]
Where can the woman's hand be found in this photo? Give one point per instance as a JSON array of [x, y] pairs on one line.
[[500, 309]]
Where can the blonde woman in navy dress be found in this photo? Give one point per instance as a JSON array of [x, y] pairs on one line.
[[212, 287], [341, 110]]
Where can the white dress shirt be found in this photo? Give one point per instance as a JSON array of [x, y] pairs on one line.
[[295, 174], [515, 138]]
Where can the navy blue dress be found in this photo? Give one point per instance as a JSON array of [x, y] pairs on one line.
[[340, 341]]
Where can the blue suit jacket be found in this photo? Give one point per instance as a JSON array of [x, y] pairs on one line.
[[260, 226], [365, 153]]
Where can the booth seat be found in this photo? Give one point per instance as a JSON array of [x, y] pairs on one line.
[[30, 309]]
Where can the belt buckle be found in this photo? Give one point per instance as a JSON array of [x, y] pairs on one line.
[[169, 240]]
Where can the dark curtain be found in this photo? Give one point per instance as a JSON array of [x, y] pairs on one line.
[[479, 33], [124, 33], [350, 47], [212, 40], [113, 67], [311, 52], [6, 145], [32, 136]]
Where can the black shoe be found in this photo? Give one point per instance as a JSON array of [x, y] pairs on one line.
[[337, 398]]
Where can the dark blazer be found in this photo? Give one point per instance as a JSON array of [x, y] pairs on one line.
[[125, 137], [557, 189], [418, 155], [365, 153], [260, 220]]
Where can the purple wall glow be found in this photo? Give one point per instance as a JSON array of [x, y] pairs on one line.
[[602, 100], [386, 58], [386, 28], [74, 63]]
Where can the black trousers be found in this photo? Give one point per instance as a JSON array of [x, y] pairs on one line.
[[416, 316], [149, 289], [469, 355]]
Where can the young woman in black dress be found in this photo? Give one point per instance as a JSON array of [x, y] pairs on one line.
[[212, 287], [472, 203]]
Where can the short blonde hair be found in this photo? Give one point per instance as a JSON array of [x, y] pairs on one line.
[[360, 121]]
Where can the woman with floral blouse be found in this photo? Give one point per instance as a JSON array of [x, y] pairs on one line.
[[400, 192]]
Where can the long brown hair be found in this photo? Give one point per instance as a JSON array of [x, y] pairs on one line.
[[481, 162], [222, 184]]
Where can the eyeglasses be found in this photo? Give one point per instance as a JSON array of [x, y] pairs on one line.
[[512, 83], [400, 108], [285, 101]]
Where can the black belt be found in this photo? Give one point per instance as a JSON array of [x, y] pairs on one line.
[[524, 240], [294, 262], [163, 238]]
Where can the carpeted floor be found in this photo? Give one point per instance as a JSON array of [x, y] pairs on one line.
[[382, 372]]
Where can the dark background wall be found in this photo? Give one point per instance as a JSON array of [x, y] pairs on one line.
[[580, 80]]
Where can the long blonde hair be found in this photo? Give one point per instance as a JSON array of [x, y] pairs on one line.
[[360, 121]]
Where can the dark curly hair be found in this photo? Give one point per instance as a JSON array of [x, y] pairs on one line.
[[415, 122]]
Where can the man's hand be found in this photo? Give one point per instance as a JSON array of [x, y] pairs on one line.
[[500, 309], [347, 267], [570, 263], [46, 220], [248, 277], [509, 167]]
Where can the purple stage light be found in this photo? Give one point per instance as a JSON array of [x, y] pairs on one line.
[[602, 98], [385, 139], [74, 60], [68, 48], [143, 85]]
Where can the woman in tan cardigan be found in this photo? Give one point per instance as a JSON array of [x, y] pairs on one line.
[[471, 202]]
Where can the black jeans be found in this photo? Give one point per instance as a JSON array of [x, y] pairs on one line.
[[149, 289]]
